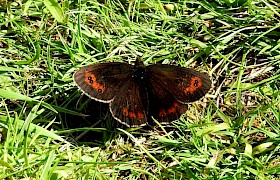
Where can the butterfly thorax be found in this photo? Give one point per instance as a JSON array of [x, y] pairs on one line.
[[139, 73]]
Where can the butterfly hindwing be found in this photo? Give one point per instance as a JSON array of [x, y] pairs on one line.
[[130, 105], [104, 80], [163, 106]]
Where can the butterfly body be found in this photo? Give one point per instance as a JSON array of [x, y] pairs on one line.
[[137, 92]]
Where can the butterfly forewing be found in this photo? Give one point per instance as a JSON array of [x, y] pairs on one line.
[[186, 85], [103, 81]]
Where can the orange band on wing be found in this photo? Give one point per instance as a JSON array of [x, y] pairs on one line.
[[195, 83], [133, 115], [90, 79]]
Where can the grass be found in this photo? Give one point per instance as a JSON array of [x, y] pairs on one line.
[[46, 130]]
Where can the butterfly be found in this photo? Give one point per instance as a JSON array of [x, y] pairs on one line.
[[136, 93]]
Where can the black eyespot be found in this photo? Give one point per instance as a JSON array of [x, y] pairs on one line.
[[91, 81], [99, 90], [195, 84], [89, 78], [196, 81], [188, 93]]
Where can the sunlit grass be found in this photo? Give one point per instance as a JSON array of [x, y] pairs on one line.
[[49, 130]]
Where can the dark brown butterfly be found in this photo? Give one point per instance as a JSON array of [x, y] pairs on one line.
[[136, 93]]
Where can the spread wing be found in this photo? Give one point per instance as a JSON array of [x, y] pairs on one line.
[[104, 80], [171, 88]]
